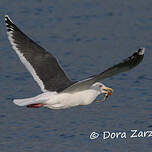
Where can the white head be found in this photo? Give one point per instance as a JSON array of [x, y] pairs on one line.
[[100, 87]]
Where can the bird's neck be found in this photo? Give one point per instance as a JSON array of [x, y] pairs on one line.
[[91, 95]]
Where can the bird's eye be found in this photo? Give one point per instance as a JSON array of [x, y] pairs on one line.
[[100, 85]]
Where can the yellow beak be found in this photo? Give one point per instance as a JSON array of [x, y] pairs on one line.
[[108, 91]]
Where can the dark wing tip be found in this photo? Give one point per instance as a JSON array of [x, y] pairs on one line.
[[136, 58], [141, 51], [138, 54], [7, 19], [9, 23]]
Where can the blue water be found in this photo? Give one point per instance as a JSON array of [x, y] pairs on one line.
[[87, 37]]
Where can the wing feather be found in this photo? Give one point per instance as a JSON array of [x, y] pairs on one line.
[[41, 64], [124, 66]]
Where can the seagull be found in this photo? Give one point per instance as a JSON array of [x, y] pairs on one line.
[[58, 90]]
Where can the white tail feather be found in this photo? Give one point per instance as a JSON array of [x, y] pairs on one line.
[[42, 98], [28, 101]]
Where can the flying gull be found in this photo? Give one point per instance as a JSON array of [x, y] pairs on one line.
[[58, 91]]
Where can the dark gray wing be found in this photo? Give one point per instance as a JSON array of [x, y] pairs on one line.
[[126, 65], [41, 64]]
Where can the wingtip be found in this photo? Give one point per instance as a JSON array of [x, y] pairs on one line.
[[141, 51], [7, 19]]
